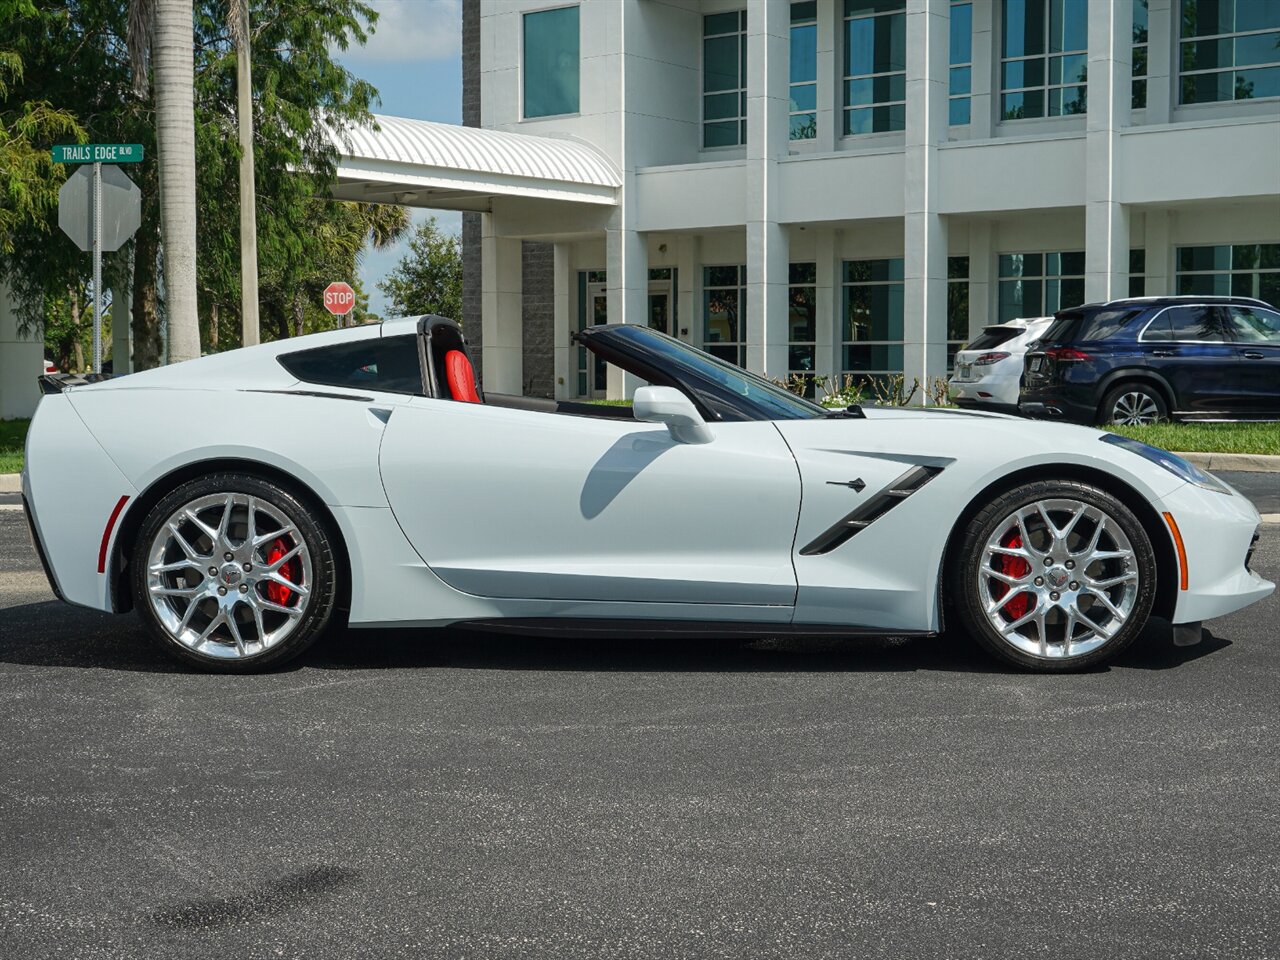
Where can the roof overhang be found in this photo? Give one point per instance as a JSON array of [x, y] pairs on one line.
[[417, 163]]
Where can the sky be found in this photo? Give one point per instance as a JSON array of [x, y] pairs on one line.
[[414, 59]]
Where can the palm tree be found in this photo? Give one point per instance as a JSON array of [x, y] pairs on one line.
[[163, 32]]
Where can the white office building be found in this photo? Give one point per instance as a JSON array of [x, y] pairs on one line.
[[850, 186]]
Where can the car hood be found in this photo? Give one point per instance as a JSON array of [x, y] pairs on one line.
[[986, 445]]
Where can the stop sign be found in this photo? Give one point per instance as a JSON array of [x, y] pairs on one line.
[[339, 298]]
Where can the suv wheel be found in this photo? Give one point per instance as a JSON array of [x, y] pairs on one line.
[[1133, 404]]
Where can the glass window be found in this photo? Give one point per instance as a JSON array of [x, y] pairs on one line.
[[961, 62], [804, 70], [1242, 270], [551, 61], [871, 337], [875, 64], [389, 365], [1044, 58], [802, 323], [1253, 325], [1040, 284], [724, 316], [724, 79], [957, 307], [1198, 324], [1139, 101], [1137, 273], [1229, 50]]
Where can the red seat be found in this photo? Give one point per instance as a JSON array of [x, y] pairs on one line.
[[461, 376]]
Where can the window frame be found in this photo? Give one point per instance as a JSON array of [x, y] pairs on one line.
[[1180, 41], [846, 109], [792, 84], [1042, 310], [741, 288], [1229, 272], [863, 376], [524, 117], [952, 96], [1046, 87], [809, 376], [741, 91]]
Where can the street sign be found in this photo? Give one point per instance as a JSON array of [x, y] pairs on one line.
[[97, 153], [121, 208], [99, 208], [339, 298]]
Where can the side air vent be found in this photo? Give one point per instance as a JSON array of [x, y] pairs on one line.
[[871, 511]]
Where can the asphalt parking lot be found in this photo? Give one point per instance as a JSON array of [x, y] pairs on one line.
[[461, 795]]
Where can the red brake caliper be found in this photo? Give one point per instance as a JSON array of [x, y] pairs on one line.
[[1012, 567], [278, 592]]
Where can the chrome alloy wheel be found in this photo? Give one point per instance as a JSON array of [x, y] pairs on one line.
[[1134, 408], [229, 575], [1058, 578]]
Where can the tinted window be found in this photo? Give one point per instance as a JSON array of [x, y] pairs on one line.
[[389, 365], [1194, 323], [1254, 325], [1106, 324], [1159, 329], [993, 337], [551, 62]]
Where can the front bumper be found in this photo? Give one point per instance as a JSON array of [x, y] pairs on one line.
[[1218, 532]]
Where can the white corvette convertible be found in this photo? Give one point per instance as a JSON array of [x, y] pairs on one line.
[[243, 502]]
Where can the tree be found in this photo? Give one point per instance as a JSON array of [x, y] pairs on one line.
[[162, 31], [301, 95], [29, 179], [429, 278]]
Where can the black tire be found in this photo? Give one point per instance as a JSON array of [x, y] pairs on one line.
[[1136, 397], [322, 587], [971, 587]]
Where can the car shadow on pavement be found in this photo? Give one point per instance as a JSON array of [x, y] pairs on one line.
[[50, 634]]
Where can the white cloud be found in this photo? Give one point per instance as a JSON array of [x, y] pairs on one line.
[[412, 30]]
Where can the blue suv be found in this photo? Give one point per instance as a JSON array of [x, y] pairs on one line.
[[1156, 358]]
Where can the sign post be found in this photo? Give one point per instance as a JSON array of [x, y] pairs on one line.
[[122, 206], [339, 299]]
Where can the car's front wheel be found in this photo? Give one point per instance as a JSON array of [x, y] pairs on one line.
[[232, 574], [1054, 575]]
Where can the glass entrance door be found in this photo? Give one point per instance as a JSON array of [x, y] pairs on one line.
[[662, 314], [597, 313]]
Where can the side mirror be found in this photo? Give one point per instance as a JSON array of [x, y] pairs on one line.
[[668, 405]]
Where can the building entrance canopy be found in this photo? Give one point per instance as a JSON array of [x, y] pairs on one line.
[[417, 163]]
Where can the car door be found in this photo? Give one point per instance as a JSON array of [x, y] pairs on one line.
[[1186, 346], [511, 503], [1254, 333]]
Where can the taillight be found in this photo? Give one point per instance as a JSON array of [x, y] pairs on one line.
[[990, 358], [1067, 354]]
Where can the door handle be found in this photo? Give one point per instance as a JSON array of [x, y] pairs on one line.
[[1164, 353], [1252, 355]]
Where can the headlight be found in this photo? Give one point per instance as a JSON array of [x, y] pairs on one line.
[[1170, 461]]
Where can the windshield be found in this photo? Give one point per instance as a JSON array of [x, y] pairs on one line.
[[767, 401]]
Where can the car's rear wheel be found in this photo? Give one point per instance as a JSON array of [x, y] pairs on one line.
[[1134, 404], [232, 574], [1055, 576]]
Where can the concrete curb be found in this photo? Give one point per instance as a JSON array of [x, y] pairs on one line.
[[10, 483], [1249, 462]]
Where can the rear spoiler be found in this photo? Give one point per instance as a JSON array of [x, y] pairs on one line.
[[57, 382]]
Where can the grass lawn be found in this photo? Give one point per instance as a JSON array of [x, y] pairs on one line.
[[13, 433], [1208, 437]]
